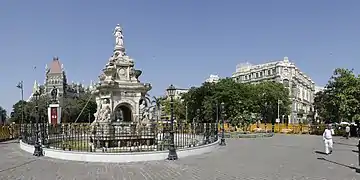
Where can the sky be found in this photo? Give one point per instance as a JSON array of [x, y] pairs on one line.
[[178, 42]]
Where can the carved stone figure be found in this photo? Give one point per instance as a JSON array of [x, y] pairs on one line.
[[105, 115], [142, 105], [118, 36], [54, 94], [119, 115]]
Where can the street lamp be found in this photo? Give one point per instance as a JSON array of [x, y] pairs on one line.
[[21, 87], [172, 150], [217, 119], [222, 142], [37, 146]]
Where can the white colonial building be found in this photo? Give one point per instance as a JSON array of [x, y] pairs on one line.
[[213, 79], [318, 89], [301, 87], [178, 93]]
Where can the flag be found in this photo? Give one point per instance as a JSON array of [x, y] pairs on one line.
[[20, 85]]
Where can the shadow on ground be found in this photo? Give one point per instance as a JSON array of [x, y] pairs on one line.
[[320, 152], [345, 144], [9, 142], [344, 165]]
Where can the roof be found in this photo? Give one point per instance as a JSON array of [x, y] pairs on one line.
[[55, 66]]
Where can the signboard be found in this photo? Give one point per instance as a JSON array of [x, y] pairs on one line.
[[277, 120]]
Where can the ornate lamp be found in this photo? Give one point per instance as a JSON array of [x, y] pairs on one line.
[[37, 146], [171, 91], [172, 150]]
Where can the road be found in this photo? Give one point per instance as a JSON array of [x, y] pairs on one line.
[[282, 157]]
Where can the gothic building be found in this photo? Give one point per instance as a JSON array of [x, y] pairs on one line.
[[55, 77]]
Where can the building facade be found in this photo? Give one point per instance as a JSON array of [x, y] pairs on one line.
[[213, 79], [301, 87], [55, 77], [178, 93], [318, 89]]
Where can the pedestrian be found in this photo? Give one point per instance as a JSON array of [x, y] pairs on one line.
[[327, 137], [347, 130]]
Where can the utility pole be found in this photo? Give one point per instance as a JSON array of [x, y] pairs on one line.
[[21, 87], [278, 109], [186, 113]]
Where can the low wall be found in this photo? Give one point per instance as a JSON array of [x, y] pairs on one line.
[[119, 157]]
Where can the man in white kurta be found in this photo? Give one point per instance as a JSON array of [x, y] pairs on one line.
[[327, 137]]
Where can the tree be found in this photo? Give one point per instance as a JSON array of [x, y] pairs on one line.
[[157, 101], [340, 100], [2, 115], [268, 96], [243, 102], [80, 109], [17, 111], [179, 108]]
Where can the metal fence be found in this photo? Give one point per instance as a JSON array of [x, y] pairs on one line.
[[116, 138]]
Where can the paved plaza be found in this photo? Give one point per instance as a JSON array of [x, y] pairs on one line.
[[283, 157]]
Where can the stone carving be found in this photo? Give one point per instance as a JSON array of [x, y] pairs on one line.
[[137, 73], [118, 36], [105, 114], [144, 112], [54, 94], [120, 115]]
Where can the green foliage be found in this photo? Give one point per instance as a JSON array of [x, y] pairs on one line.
[[179, 108], [244, 103], [80, 109], [340, 100], [71, 109]]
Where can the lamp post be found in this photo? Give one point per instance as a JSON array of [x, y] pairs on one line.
[[172, 150], [222, 142], [37, 146], [264, 115], [217, 119], [21, 87]]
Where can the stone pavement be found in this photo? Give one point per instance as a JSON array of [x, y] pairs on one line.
[[283, 157]]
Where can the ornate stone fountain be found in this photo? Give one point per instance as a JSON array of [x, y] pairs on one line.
[[123, 109]]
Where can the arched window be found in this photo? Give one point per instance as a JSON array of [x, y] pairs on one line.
[[286, 83]]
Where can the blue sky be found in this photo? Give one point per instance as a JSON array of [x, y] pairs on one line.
[[180, 42]]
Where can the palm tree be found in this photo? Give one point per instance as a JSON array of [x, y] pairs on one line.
[[157, 102]]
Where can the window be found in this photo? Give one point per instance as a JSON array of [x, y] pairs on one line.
[[274, 71], [269, 72], [286, 83], [261, 74]]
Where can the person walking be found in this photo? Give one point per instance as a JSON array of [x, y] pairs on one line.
[[327, 137], [347, 130]]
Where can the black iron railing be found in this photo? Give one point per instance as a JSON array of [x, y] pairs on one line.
[[121, 137]]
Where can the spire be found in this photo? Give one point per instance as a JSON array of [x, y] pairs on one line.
[[35, 87], [55, 66], [119, 49]]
